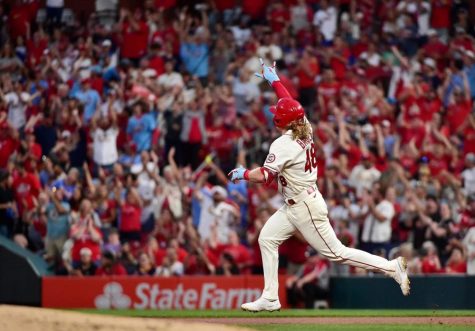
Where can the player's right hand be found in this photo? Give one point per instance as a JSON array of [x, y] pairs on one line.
[[268, 72], [237, 174]]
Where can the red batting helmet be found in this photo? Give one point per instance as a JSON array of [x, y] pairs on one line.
[[286, 111]]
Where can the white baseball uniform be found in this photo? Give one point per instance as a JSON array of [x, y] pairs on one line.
[[294, 164]]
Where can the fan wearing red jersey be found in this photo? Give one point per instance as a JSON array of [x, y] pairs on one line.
[[292, 162]]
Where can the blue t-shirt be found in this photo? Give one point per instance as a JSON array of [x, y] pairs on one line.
[[241, 188], [57, 224], [67, 188], [470, 72], [90, 99], [195, 57], [455, 82], [141, 128]]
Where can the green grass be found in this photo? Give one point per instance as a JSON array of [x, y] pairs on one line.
[[309, 313], [284, 313], [364, 327]]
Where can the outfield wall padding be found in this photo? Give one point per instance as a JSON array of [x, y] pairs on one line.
[[427, 292]]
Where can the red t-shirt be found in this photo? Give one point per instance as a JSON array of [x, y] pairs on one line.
[[222, 5], [168, 34], [469, 140], [26, 188], [130, 218], [441, 14], [157, 64], [429, 107], [195, 132], [338, 66], [276, 15], [104, 210], [35, 51], [254, 8], [97, 83], [240, 253], [460, 268], [307, 79], [328, 91], [438, 164], [162, 252], [409, 164], [457, 114], [17, 20], [165, 4], [7, 148], [134, 43], [86, 241], [429, 266], [117, 269], [295, 250], [415, 132]]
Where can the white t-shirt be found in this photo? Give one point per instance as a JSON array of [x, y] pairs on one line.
[[375, 231], [170, 80], [55, 3], [299, 17], [105, 146], [106, 5], [411, 8], [206, 219], [468, 176], [117, 107], [469, 242], [294, 163], [16, 108], [326, 20], [240, 35], [362, 178], [223, 220], [373, 59], [84, 67]]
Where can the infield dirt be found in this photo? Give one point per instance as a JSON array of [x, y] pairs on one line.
[[15, 318]]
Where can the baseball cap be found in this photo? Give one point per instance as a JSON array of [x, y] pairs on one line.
[[470, 54], [459, 29], [470, 157], [432, 33], [429, 62], [219, 190], [85, 251], [149, 73], [106, 43], [367, 128]]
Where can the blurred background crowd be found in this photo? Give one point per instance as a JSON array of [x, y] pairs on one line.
[[119, 124]]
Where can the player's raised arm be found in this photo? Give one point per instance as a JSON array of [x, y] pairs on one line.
[[269, 74]]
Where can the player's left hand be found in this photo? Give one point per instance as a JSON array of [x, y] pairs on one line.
[[268, 73], [237, 174]]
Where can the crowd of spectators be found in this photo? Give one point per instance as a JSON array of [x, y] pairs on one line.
[[118, 130]]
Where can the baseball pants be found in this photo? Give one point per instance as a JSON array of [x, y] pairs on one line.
[[309, 216]]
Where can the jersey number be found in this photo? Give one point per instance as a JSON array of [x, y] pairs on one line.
[[283, 181], [311, 162]]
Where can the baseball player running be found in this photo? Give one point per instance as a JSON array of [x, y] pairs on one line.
[[292, 162]]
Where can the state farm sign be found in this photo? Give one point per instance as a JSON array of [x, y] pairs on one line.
[[152, 292]]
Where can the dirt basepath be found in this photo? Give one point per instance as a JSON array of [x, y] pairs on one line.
[[15, 318], [341, 320]]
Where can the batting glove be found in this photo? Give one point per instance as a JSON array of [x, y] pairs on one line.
[[268, 73], [238, 174]]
